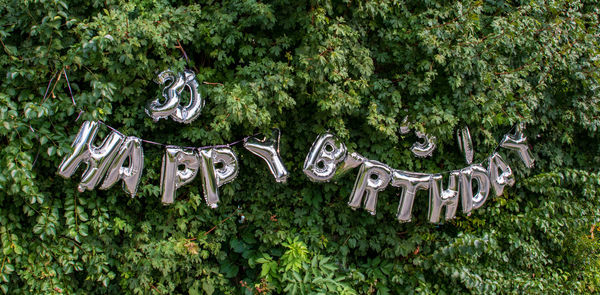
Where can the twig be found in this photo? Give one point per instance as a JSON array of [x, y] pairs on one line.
[[211, 83], [214, 227], [5, 49], [182, 50]]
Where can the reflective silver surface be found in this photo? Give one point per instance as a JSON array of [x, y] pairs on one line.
[[410, 183], [172, 95], [268, 150], [499, 180], [518, 142], [322, 159], [372, 178], [351, 161], [465, 144], [130, 149], [172, 177], [423, 149], [470, 200], [97, 159], [440, 197], [212, 176]]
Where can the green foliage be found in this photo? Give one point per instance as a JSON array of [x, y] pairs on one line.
[[356, 68]]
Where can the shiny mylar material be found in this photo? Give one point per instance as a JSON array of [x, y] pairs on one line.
[[411, 182], [440, 197], [469, 200], [465, 144], [325, 154], [423, 149], [268, 150], [405, 126], [219, 166], [172, 177], [372, 178], [172, 95], [351, 161], [97, 159], [499, 180], [130, 149], [518, 142]]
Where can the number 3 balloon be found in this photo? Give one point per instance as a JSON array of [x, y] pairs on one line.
[[172, 94]]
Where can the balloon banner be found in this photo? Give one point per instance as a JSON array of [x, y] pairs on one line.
[[217, 165], [327, 159]]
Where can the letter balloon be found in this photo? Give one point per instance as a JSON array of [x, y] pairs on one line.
[[372, 178], [499, 180], [172, 177], [423, 149], [405, 126], [172, 95], [440, 197], [411, 182], [97, 159], [465, 144], [268, 150], [323, 157], [518, 142], [219, 166], [131, 150], [469, 200]]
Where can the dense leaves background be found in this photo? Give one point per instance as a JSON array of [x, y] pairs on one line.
[[353, 67]]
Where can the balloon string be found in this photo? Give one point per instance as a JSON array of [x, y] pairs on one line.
[[48, 88], [145, 140], [483, 162], [210, 146], [181, 147], [69, 84]]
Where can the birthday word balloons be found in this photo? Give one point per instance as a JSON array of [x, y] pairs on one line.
[[172, 94], [104, 160], [268, 150], [329, 158], [218, 166]]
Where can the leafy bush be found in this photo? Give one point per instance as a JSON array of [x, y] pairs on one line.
[[356, 68]]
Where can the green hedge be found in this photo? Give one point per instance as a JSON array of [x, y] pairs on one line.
[[356, 68]]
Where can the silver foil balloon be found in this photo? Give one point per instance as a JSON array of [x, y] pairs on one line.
[[423, 149], [219, 166], [372, 178], [405, 126], [351, 161], [325, 154], [411, 182], [268, 150], [465, 144], [97, 159], [440, 197], [172, 95], [172, 177], [518, 142], [131, 150], [469, 200], [499, 180]]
